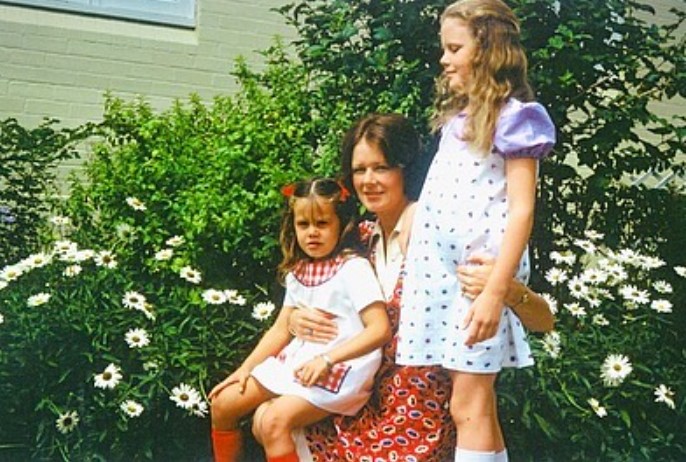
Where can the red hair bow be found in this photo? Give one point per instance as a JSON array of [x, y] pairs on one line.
[[288, 190], [345, 194]]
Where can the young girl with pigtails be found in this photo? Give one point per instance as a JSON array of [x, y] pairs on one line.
[[303, 382], [478, 198]]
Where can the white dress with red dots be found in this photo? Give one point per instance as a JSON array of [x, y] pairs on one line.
[[463, 210]]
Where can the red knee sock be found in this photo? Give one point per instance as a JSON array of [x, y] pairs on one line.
[[292, 457], [226, 445]]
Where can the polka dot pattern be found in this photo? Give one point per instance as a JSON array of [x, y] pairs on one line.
[[462, 211]]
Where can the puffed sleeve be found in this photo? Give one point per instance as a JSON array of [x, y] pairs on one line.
[[524, 130], [360, 278]]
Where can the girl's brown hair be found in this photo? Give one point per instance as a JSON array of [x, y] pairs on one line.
[[499, 70], [318, 190]]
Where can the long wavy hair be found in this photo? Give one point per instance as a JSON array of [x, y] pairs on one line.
[[318, 191], [499, 70]]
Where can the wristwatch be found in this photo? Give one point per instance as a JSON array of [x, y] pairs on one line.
[[523, 299]]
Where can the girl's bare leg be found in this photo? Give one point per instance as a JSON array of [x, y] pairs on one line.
[[276, 421], [473, 406]]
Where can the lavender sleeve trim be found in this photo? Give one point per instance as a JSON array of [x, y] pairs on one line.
[[538, 151]]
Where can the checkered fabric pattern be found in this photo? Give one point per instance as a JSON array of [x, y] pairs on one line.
[[314, 273], [334, 379]]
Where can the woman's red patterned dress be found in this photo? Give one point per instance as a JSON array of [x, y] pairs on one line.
[[407, 419]]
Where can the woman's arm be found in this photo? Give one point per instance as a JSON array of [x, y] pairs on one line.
[[483, 317], [532, 309], [377, 331]]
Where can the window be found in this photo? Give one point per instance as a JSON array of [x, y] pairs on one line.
[[172, 12]]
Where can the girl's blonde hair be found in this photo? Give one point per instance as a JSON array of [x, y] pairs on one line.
[[499, 70], [318, 190]]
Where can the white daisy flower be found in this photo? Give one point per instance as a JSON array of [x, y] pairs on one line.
[[594, 276], [164, 254], [615, 369], [150, 366], [199, 409], [234, 298], [634, 295], [649, 263], [105, 258], [627, 256], [552, 303], [191, 275], [84, 255], [65, 247], [577, 288], [600, 320], [67, 422], [661, 306], [2, 319], [59, 220], [663, 287], [38, 260], [594, 300], [136, 204], [185, 396], [109, 378], [38, 299], [587, 246], [575, 309], [616, 272], [214, 297], [593, 235], [552, 344], [680, 270], [664, 394], [137, 338], [124, 231], [597, 408], [567, 257], [134, 300], [3, 284], [263, 310], [175, 241], [148, 311], [72, 271], [11, 273], [131, 408], [555, 276]]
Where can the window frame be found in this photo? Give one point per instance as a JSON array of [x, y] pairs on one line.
[[178, 13]]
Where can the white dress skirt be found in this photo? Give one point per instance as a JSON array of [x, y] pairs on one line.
[[343, 287]]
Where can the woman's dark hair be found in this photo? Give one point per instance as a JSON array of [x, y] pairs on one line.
[[396, 138], [317, 190]]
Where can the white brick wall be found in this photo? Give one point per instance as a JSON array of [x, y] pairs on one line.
[[60, 64]]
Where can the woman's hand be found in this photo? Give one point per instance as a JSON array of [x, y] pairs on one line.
[[240, 376], [313, 325], [311, 371], [533, 310], [474, 275]]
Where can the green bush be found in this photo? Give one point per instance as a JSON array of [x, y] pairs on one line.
[[99, 342], [28, 158], [609, 381]]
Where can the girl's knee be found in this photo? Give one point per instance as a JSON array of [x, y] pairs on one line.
[[272, 426], [224, 415], [473, 397]]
